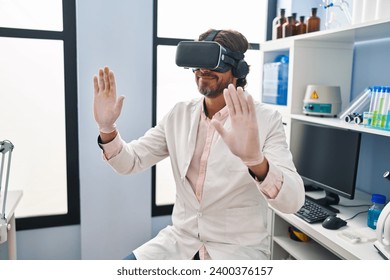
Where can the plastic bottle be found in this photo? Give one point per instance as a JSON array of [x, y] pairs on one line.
[[277, 24], [375, 210], [301, 26], [313, 22]]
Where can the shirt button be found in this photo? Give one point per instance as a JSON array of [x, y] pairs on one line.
[[199, 214]]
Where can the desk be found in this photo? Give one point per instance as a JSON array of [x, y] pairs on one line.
[[325, 244], [13, 199]]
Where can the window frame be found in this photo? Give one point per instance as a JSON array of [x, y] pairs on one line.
[[162, 210], [68, 36]]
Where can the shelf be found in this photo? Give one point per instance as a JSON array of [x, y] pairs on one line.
[[336, 122], [374, 30], [304, 250]]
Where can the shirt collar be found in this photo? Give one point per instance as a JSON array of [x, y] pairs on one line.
[[220, 115]]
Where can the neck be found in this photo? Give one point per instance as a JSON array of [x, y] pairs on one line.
[[214, 105]]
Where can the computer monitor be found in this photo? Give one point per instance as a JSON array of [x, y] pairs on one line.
[[326, 158]]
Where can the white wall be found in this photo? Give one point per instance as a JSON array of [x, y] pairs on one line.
[[115, 210]]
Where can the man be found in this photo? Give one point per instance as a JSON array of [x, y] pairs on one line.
[[229, 159]]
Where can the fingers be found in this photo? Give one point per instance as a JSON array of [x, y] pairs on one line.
[[236, 100], [105, 82], [112, 82], [119, 104], [95, 85], [101, 80]]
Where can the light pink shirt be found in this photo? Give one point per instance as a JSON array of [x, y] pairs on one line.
[[198, 167]]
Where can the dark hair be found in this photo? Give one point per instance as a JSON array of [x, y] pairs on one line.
[[234, 41]]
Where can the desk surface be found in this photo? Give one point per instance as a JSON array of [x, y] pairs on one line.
[[330, 238], [12, 201]]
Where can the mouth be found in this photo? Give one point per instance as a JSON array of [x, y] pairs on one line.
[[206, 77]]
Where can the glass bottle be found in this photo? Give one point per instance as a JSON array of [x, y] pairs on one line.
[[375, 210], [289, 28], [294, 16], [301, 26], [277, 25], [313, 22]]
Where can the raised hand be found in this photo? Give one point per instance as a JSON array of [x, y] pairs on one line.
[[106, 106], [243, 137]]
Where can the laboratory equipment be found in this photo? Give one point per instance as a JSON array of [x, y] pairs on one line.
[[5, 147], [322, 100]]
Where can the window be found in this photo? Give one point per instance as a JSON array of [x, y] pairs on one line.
[[173, 84], [38, 109]]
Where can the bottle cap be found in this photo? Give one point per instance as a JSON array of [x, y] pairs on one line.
[[378, 198]]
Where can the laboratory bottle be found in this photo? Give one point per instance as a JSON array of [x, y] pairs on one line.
[[313, 22], [295, 20], [301, 25], [289, 28], [375, 210], [277, 24]]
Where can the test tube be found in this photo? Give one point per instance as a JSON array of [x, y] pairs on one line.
[[387, 119], [382, 108], [375, 105], [373, 96]]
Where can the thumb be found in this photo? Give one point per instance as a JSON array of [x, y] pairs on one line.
[[119, 103], [218, 127]]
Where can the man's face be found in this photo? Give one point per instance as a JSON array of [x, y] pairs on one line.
[[211, 84]]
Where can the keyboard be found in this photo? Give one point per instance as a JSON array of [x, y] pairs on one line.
[[312, 212]]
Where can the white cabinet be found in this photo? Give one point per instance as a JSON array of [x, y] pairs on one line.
[[325, 58], [324, 244]]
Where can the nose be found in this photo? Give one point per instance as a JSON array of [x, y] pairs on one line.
[[204, 70]]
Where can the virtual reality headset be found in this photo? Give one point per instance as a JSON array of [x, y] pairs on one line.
[[210, 55]]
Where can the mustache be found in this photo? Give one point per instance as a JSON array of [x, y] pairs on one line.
[[206, 74]]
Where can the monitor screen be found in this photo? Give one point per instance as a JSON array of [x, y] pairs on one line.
[[326, 158]]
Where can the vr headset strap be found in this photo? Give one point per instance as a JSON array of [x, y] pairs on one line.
[[212, 35], [231, 58]]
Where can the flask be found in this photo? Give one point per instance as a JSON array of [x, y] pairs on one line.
[[375, 210], [313, 22], [301, 25], [277, 24], [289, 27]]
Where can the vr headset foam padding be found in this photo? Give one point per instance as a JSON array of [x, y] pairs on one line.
[[210, 55]]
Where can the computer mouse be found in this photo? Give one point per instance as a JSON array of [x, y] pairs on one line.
[[333, 222]]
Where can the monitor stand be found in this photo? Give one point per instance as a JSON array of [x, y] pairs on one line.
[[328, 200]]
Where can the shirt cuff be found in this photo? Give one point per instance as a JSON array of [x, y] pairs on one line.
[[111, 149], [272, 183]]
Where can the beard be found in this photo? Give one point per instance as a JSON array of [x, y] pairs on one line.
[[214, 87]]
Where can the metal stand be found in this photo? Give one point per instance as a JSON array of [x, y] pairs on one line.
[[5, 147]]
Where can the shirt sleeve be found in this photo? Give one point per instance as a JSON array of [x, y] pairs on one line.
[[272, 183], [111, 149]]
